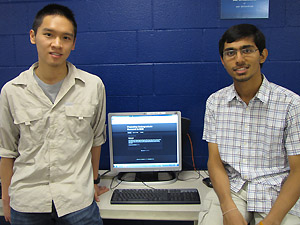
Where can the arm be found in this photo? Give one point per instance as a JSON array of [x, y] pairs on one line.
[[96, 151], [221, 186], [6, 174], [288, 196]]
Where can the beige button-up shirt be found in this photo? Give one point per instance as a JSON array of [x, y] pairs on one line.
[[51, 142]]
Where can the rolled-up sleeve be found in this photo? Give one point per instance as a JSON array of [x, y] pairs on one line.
[[209, 131], [99, 126], [9, 132]]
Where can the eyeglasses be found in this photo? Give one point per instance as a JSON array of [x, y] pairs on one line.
[[231, 53]]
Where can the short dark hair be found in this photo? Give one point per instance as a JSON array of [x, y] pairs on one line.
[[54, 9], [240, 31]]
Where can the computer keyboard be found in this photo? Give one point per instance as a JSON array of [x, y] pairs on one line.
[[155, 196]]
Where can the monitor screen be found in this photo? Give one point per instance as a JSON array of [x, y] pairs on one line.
[[145, 141]]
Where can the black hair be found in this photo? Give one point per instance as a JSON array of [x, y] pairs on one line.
[[240, 31], [54, 9]]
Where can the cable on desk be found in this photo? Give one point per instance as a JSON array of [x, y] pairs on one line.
[[190, 178], [192, 150], [113, 187], [144, 183], [206, 173], [193, 160], [112, 180], [107, 171]]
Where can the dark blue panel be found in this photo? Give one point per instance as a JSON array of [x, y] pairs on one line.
[[210, 12], [32, 10], [196, 132], [7, 51], [105, 47], [125, 80], [200, 150], [104, 158], [118, 15], [285, 74], [8, 73], [293, 13], [210, 49], [201, 162], [13, 18], [192, 107], [93, 69], [186, 79], [170, 46], [35, 5], [224, 78], [284, 44], [81, 12], [177, 14], [122, 104], [26, 53]]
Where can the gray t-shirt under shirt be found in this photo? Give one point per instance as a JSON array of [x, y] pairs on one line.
[[51, 90]]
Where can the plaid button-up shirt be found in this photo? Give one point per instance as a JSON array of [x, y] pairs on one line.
[[255, 140]]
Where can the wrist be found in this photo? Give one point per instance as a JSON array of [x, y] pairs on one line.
[[228, 211], [5, 202], [271, 220], [5, 198], [97, 180], [227, 206]]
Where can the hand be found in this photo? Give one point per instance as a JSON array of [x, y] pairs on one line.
[[99, 190], [234, 218], [6, 209]]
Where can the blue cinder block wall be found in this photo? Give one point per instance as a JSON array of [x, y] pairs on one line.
[[155, 54]]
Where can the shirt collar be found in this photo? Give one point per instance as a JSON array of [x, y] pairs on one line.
[[73, 72], [262, 94], [27, 78], [264, 90]]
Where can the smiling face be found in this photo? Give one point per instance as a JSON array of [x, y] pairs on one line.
[[54, 40], [244, 67]]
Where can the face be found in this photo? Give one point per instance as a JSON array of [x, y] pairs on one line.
[[244, 67], [54, 40]]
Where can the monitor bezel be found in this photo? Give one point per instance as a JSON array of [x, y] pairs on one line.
[[144, 169]]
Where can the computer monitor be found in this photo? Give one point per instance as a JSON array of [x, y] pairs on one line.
[[145, 143]]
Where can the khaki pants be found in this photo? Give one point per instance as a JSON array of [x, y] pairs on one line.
[[212, 214]]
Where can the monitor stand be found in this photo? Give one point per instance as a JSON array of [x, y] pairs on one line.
[[146, 177]]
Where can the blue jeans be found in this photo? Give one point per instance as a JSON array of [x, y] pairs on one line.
[[87, 216]]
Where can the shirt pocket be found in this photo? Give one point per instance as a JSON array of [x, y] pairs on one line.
[[79, 118], [30, 122]]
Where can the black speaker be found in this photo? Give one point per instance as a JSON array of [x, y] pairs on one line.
[[185, 126]]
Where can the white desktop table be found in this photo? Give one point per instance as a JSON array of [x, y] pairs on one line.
[[187, 212]]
